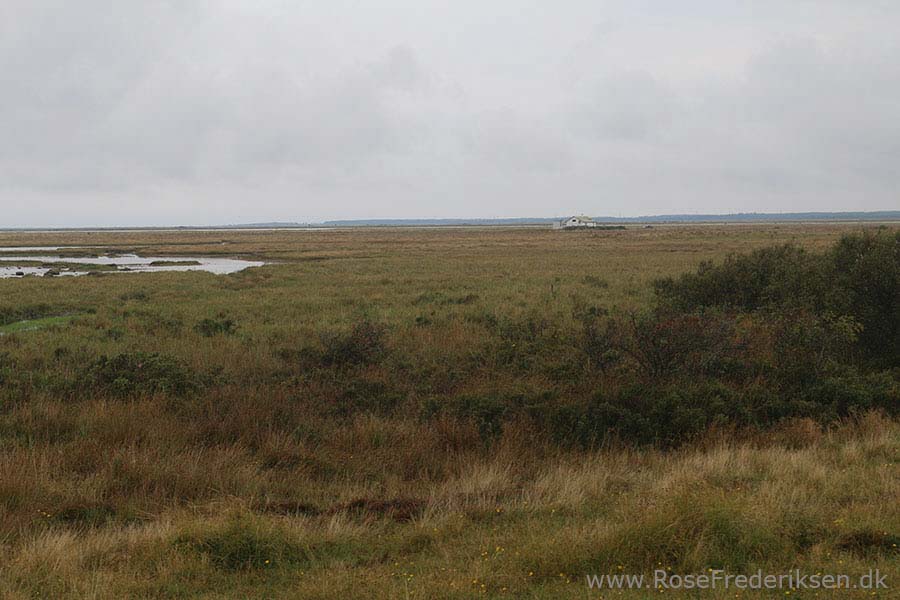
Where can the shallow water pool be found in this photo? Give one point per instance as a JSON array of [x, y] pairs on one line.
[[21, 265]]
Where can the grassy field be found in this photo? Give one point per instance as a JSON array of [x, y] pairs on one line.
[[317, 427]]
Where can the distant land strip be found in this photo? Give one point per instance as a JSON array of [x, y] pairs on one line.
[[885, 215]]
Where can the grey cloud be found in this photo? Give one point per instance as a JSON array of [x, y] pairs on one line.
[[194, 112], [512, 144], [627, 106]]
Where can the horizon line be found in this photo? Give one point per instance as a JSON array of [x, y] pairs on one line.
[[873, 215]]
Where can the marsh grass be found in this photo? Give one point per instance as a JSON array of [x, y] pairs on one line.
[[518, 520], [395, 414]]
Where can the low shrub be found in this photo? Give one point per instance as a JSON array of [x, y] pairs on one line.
[[486, 412], [855, 394], [776, 276], [363, 344], [807, 347], [857, 279], [489, 412], [642, 414], [139, 373], [361, 395], [663, 343], [597, 338], [863, 274]]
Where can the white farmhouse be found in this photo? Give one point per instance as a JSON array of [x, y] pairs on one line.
[[574, 223]]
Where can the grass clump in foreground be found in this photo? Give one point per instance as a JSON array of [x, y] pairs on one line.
[[245, 543], [420, 415]]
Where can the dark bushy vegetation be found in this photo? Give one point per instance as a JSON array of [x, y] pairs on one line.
[[363, 344], [777, 276], [138, 374], [776, 334], [863, 275], [858, 279]]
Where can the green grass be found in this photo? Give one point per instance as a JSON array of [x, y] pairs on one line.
[[35, 324]]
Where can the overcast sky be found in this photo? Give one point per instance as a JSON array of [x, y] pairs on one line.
[[140, 112]]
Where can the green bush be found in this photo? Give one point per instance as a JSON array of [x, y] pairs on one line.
[[855, 394], [863, 274], [776, 276], [807, 347], [665, 416], [857, 279], [670, 414], [140, 373]]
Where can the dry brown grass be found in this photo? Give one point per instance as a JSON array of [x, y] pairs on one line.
[[490, 519]]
